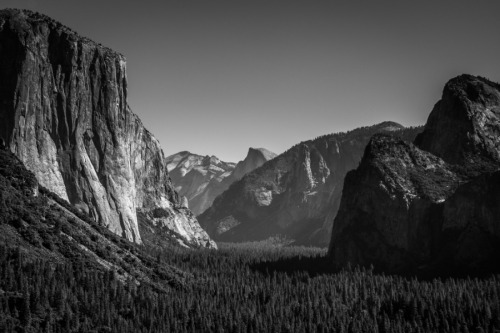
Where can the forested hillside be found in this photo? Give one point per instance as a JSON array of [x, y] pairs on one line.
[[61, 272], [240, 288]]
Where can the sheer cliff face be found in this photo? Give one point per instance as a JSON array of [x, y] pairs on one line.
[[293, 195], [434, 204], [202, 178], [64, 113], [254, 159]]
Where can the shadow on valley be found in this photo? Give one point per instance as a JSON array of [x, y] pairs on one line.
[[320, 264], [314, 266]]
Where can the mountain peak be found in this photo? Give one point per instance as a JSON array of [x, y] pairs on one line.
[[428, 205], [463, 126], [254, 159], [267, 154], [389, 126]]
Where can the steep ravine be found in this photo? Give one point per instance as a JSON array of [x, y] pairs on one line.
[[64, 113]]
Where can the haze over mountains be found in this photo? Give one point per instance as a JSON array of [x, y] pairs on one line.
[[65, 116], [95, 236], [295, 195], [202, 178]]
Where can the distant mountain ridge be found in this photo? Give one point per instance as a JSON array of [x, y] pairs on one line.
[[202, 178], [296, 194], [432, 204]]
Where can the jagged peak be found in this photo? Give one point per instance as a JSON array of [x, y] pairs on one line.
[[464, 79], [211, 160], [463, 125], [473, 88]]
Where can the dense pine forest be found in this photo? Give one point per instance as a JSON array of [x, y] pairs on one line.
[[62, 272], [240, 288]]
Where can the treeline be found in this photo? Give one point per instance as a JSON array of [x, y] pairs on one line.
[[240, 289]]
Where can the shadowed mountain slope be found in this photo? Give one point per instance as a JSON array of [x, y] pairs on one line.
[[432, 205], [296, 194]]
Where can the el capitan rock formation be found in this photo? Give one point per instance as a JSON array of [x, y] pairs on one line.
[[433, 204], [64, 113], [202, 178], [296, 194], [43, 227]]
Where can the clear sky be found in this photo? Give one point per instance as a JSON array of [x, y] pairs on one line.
[[216, 77]]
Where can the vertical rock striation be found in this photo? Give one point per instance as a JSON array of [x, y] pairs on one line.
[[64, 113]]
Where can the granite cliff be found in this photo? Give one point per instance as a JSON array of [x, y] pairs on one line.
[[41, 226], [254, 159], [432, 205], [64, 113], [294, 195], [202, 178]]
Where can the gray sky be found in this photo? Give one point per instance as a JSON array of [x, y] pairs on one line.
[[217, 77]]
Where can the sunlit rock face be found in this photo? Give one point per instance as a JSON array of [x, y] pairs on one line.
[[202, 178], [198, 178], [432, 205], [296, 194], [254, 159], [64, 113]]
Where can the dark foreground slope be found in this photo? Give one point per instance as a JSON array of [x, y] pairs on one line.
[[60, 272], [433, 204], [40, 225], [64, 113], [296, 194], [243, 288]]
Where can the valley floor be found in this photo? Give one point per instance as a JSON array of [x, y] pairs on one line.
[[241, 288]]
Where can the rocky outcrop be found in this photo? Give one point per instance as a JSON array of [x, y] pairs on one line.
[[464, 127], [202, 178], [432, 205], [64, 113], [42, 226], [295, 194]]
